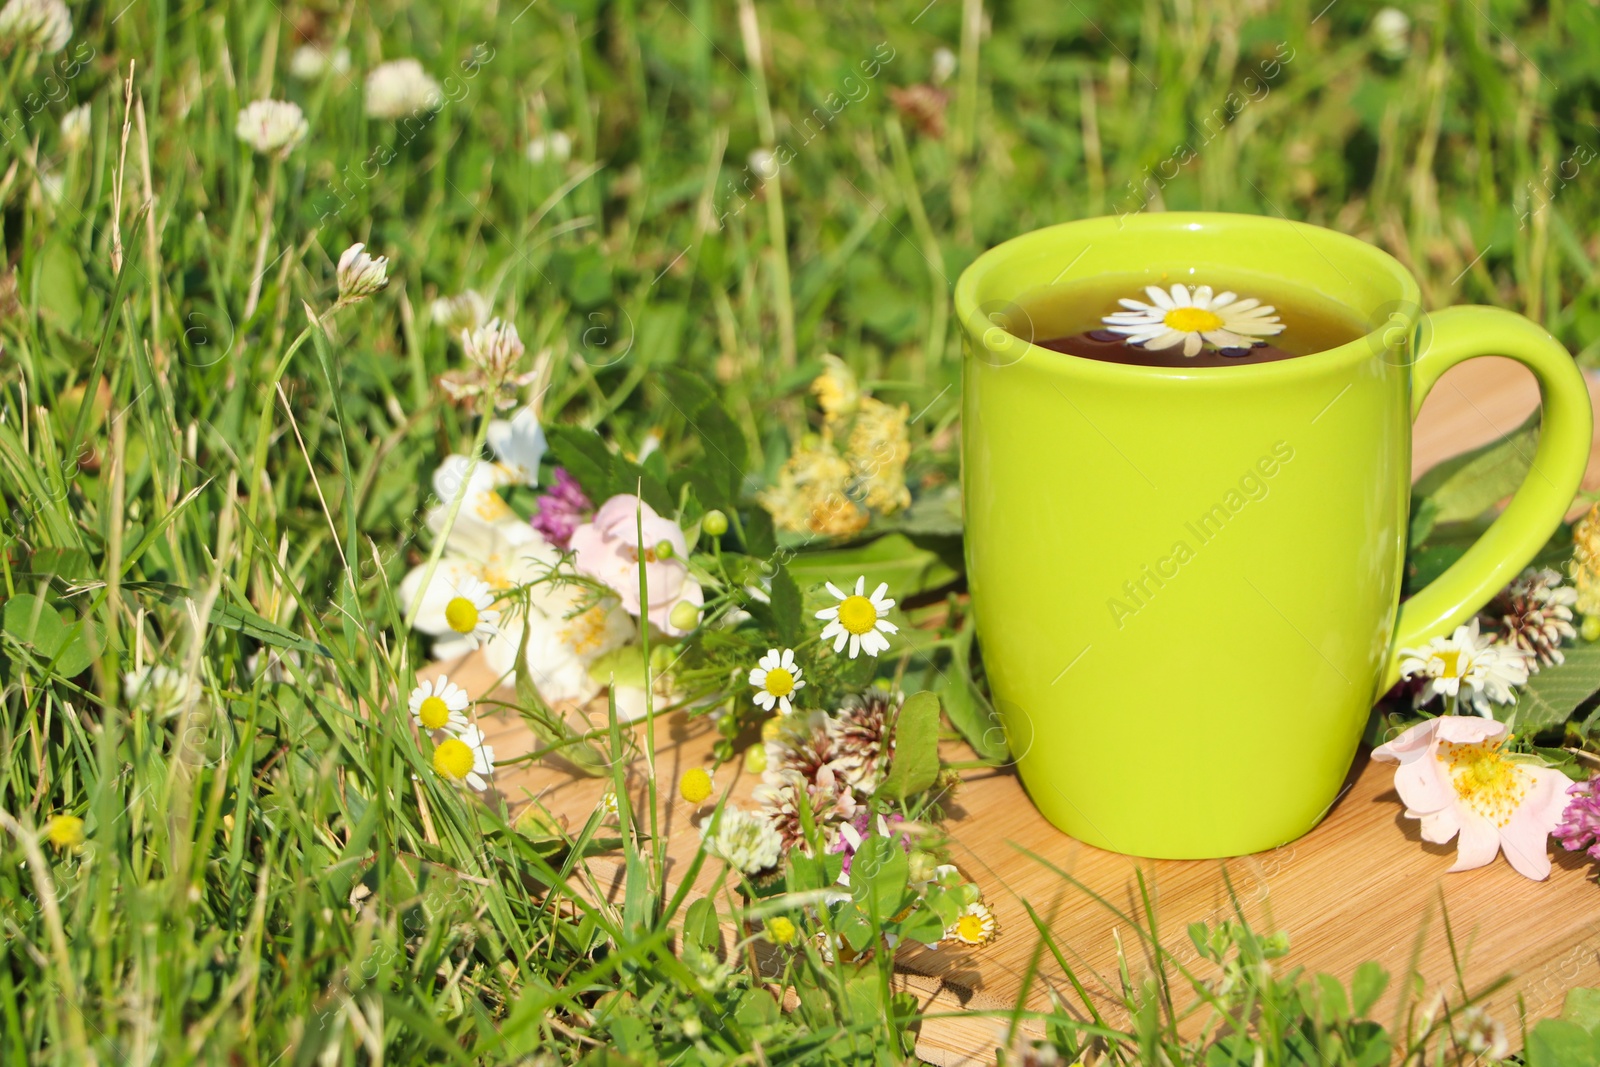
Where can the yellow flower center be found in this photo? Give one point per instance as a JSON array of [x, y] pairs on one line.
[[780, 683], [461, 614], [491, 507], [586, 631], [453, 759], [1452, 662], [433, 713], [857, 615], [970, 928], [781, 930], [1485, 780], [66, 831], [1192, 320], [695, 785]]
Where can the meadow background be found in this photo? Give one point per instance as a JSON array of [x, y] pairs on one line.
[[155, 275]]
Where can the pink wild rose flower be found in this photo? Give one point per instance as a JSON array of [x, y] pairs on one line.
[[1455, 779], [608, 550]]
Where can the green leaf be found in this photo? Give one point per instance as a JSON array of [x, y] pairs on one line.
[[759, 538], [62, 282], [584, 456], [786, 609], [880, 874], [1555, 692], [1330, 993], [1583, 1007], [68, 647], [700, 926], [1367, 986], [965, 703], [247, 622], [915, 765], [907, 567], [1468, 485], [1559, 1043]]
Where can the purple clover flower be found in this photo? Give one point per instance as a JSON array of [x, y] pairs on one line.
[[563, 509], [1580, 824]]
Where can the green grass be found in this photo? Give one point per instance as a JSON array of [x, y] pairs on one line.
[[209, 918]]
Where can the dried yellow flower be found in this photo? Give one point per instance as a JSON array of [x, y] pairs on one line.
[[836, 389], [1585, 565], [879, 448]]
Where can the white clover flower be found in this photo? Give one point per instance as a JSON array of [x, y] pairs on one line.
[[159, 689], [75, 129], [748, 842], [944, 65], [859, 620], [1391, 33], [465, 759], [763, 164], [312, 61], [555, 146], [272, 127], [401, 87], [361, 275], [494, 347], [43, 26], [467, 310]]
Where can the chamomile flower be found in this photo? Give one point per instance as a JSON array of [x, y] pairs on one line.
[[975, 926], [777, 678], [465, 758], [440, 705], [859, 620], [1467, 666], [470, 612], [1193, 318]]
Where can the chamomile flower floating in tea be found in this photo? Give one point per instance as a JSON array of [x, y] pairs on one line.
[[470, 612], [1193, 318], [859, 620], [777, 678], [974, 927], [465, 759], [1468, 667], [440, 705]]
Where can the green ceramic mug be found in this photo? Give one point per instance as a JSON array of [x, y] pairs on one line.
[[1187, 580]]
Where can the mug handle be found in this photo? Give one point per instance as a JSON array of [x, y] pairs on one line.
[[1456, 335]]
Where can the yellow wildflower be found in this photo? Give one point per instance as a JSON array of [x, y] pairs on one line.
[[1585, 565], [65, 832], [836, 389], [879, 447]]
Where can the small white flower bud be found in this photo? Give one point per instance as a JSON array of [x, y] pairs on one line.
[[361, 275]]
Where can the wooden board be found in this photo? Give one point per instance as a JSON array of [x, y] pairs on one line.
[[1362, 885]]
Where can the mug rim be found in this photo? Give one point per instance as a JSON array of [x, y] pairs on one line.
[[1367, 345]]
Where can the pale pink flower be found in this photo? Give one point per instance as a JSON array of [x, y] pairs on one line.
[[1455, 778], [608, 549]]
